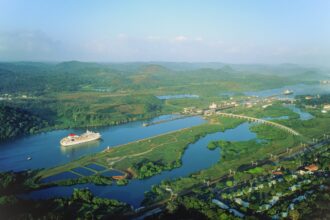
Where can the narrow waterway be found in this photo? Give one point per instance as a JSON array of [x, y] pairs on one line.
[[45, 150], [196, 157], [298, 89]]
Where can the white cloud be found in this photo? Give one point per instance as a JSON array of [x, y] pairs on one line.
[[180, 38]]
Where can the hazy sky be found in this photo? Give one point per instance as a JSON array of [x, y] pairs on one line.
[[236, 31]]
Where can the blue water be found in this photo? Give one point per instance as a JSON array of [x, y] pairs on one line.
[[181, 96], [195, 158], [298, 89], [46, 151], [111, 173], [83, 171], [303, 115], [96, 167], [60, 176]]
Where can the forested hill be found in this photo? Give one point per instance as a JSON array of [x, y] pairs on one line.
[[43, 78], [15, 122]]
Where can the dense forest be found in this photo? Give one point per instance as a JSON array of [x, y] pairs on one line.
[[15, 122]]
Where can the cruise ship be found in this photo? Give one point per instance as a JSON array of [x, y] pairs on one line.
[[73, 139]]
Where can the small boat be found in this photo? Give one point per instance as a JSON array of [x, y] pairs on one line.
[[287, 92], [29, 158], [145, 124]]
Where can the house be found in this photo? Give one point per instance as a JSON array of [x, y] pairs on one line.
[[188, 110], [265, 207], [241, 202], [220, 204], [294, 187], [274, 200], [291, 206], [209, 112], [294, 176], [312, 168], [213, 106], [299, 199], [301, 172], [277, 173], [261, 186], [236, 213], [326, 107]]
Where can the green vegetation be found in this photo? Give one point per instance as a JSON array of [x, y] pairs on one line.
[[36, 97], [189, 207], [96, 179], [122, 182], [256, 170], [15, 122], [81, 205], [17, 182], [75, 94], [275, 110], [314, 100]]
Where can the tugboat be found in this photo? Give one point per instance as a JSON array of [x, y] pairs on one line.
[[73, 139], [287, 92]]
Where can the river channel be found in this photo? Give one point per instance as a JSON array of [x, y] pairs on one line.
[[196, 157], [45, 151]]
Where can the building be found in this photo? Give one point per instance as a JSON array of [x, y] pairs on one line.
[[312, 168], [326, 107], [209, 112], [213, 106], [189, 110], [241, 202], [220, 204]]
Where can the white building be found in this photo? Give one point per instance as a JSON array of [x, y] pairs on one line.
[[213, 106]]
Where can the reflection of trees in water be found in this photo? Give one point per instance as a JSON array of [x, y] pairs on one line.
[[70, 150]]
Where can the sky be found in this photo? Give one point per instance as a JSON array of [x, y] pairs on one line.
[[231, 31]]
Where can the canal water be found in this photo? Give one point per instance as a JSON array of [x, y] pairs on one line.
[[179, 96], [298, 89], [46, 152], [195, 158]]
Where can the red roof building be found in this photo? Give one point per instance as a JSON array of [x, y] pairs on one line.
[[312, 167]]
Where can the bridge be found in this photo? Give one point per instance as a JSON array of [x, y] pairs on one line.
[[262, 121]]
